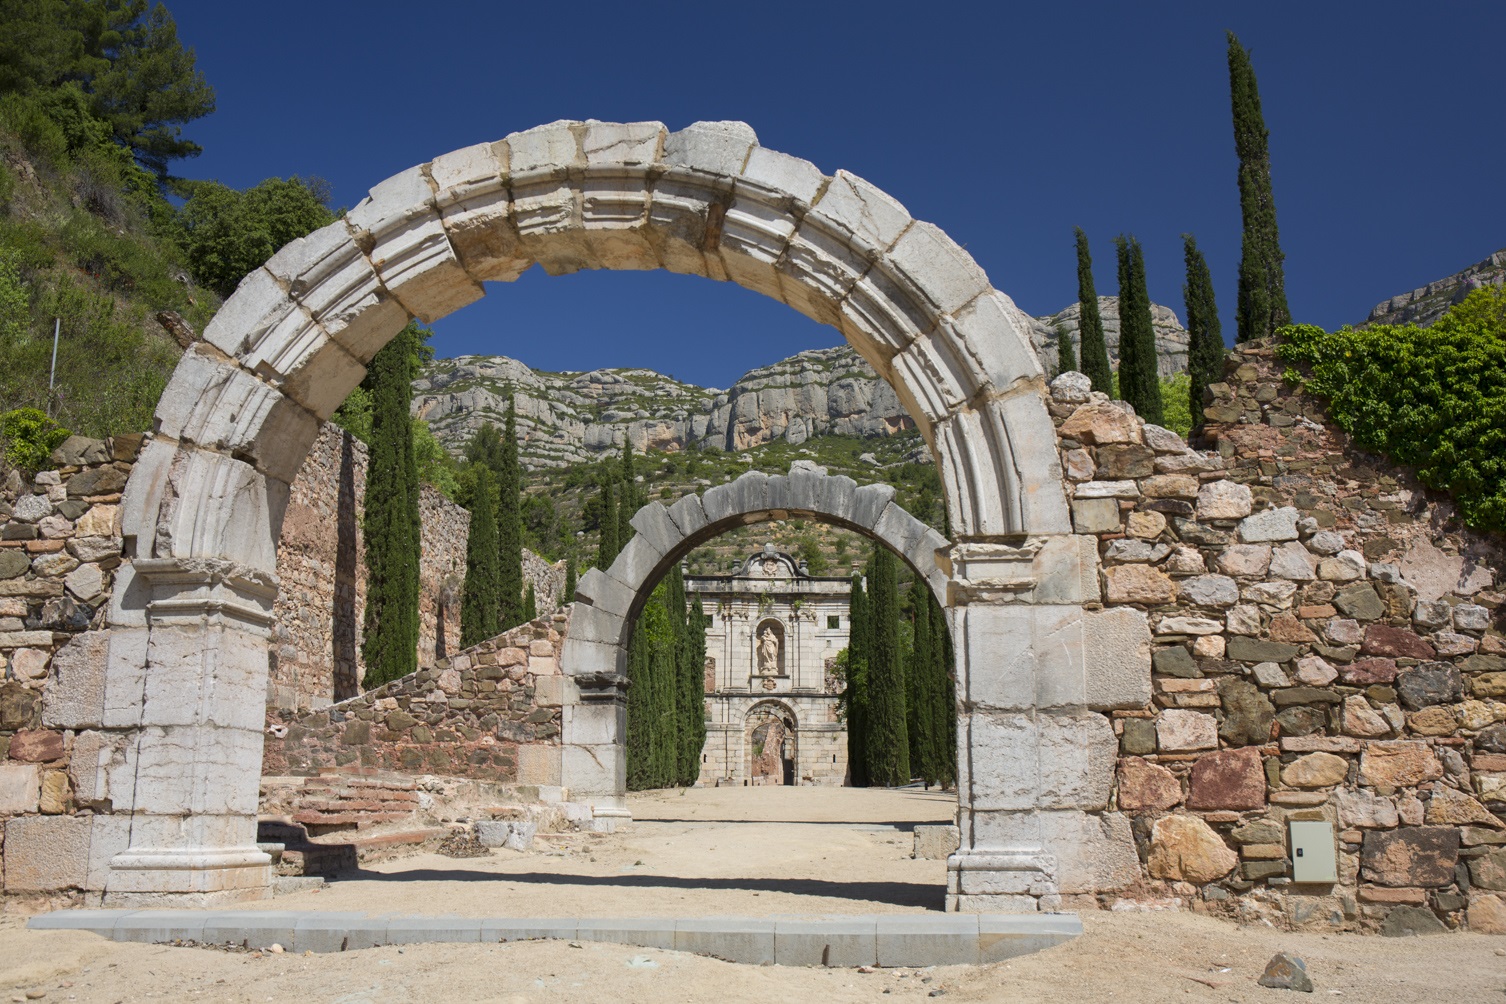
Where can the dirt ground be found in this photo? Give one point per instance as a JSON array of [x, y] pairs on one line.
[[749, 852]]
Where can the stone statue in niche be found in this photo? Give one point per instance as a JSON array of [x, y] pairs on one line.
[[768, 651]]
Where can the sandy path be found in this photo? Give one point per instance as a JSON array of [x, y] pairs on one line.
[[697, 858]]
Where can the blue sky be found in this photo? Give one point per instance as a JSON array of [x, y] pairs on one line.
[[1005, 124]]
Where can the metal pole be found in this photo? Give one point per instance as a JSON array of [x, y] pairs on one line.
[[57, 326]]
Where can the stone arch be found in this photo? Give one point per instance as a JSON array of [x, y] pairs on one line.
[[183, 674], [770, 711]]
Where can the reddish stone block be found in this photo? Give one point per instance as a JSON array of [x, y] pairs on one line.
[[1228, 779], [37, 746], [1147, 786], [1286, 628], [1364, 672], [1410, 856], [1381, 639]]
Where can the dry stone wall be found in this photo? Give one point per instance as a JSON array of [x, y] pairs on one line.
[[491, 712], [1328, 647]]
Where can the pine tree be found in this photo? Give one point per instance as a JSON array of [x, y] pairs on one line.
[[692, 705], [567, 594], [1066, 358], [1139, 373], [1262, 304], [606, 547], [510, 523], [1095, 351], [855, 696], [391, 528], [530, 605], [1205, 350], [886, 741], [480, 605]]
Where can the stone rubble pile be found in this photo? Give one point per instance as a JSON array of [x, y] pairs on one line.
[[1327, 647]]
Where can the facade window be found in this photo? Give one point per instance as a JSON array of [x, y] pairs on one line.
[[834, 622]]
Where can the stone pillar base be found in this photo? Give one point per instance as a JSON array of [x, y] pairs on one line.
[[172, 876], [999, 882]]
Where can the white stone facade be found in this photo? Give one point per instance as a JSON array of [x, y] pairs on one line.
[[774, 633]]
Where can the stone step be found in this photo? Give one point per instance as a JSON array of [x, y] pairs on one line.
[[889, 940]]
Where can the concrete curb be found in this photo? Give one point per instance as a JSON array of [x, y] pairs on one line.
[[888, 939]]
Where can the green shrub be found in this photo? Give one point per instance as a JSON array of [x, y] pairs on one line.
[[1176, 396], [30, 438], [1433, 398]]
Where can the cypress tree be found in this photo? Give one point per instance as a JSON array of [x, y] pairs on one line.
[[480, 604], [692, 704], [1095, 351], [606, 547], [639, 707], [922, 684], [530, 605], [1139, 375], [1205, 350], [567, 594], [628, 501], [1262, 306], [510, 524], [886, 740], [392, 527], [1066, 359], [945, 696], [857, 679]]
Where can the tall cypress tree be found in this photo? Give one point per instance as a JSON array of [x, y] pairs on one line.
[[567, 594], [1205, 349], [480, 605], [692, 703], [510, 523], [887, 740], [530, 604], [639, 739], [606, 547], [628, 500], [921, 679], [392, 525], [945, 696], [1095, 351], [1139, 375], [1262, 304], [857, 681]]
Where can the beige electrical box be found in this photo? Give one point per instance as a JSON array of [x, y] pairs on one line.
[[1314, 854]]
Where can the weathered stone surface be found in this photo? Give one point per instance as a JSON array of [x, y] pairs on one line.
[[1360, 601], [1271, 526], [1218, 591], [1487, 914], [1292, 561], [1398, 764], [1125, 460], [1439, 720], [1243, 649], [1362, 809], [1393, 642], [1137, 584], [1428, 684], [1139, 737], [1186, 849], [1099, 424], [1312, 670], [1454, 808], [37, 746], [1286, 972], [1145, 525], [1147, 786], [1410, 856], [1316, 770], [1228, 779], [1360, 719], [1411, 921], [46, 853], [1245, 561], [1175, 661], [1169, 486], [1179, 730], [1100, 515], [1365, 672], [19, 785], [96, 481], [1248, 713], [1224, 500]]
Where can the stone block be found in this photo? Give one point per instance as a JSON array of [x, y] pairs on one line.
[[1101, 424], [1224, 500], [505, 929], [1179, 730], [1145, 786], [1137, 584], [734, 939], [927, 940], [1116, 658], [75, 695], [935, 842], [1270, 526], [1004, 771], [20, 785], [46, 853], [254, 930], [1095, 852], [834, 941], [869, 503], [1217, 591], [1398, 764], [719, 149], [157, 927], [1315, 770], [1095, 515], [1410, 856], [1006, 937], [1228, 779], [1186, 849], [433, 930], [1076, 755]]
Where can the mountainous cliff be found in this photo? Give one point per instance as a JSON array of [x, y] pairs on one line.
[[1424, 305], [566, 418]]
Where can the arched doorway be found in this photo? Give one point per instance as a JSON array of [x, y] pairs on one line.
[[184, 669], [771, 738]]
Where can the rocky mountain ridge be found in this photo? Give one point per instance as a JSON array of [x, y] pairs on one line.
[[1425, 304], [568, 418]]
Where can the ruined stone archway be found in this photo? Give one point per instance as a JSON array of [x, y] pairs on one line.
[[184, 674]]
